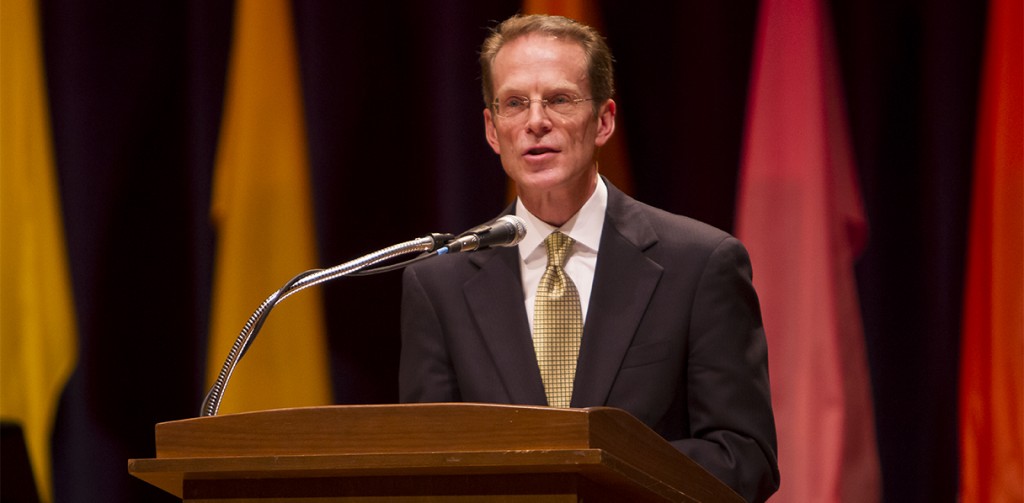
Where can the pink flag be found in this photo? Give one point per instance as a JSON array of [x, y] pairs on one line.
[[801, 216]]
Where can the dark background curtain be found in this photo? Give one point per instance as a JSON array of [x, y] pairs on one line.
[[397, 150]]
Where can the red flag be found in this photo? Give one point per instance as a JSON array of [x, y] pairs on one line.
[[801, 216], [612, 159], [992, 356]]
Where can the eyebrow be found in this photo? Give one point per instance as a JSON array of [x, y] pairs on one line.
[[551, 92]]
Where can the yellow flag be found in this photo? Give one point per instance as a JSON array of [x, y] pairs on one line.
[[38, 342], [262, 209]]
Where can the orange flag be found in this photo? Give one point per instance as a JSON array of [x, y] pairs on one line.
[[612, 159], [262, 209], [38, 334], [992, 356], [801, 216]]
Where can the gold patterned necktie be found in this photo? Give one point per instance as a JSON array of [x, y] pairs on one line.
[[557, 323]]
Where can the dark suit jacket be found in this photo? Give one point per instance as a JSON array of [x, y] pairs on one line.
[[673, 335]]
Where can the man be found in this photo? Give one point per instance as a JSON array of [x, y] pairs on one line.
[[672, 330]]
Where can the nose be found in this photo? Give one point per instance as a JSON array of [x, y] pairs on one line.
[[538, 121]]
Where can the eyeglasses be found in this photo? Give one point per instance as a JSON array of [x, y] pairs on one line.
[[513, 106]]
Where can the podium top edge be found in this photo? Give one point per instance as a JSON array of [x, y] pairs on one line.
[[412, 408]]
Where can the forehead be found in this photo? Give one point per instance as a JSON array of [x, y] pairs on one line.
[[540, 62]]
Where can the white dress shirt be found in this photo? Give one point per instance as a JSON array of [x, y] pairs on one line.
[[584, 228]]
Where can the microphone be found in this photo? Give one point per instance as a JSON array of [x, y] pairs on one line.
[[507, 230]]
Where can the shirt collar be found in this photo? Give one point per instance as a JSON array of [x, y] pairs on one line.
[[584, 227]]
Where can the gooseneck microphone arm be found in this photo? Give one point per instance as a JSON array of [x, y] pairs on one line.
[[431, 243], [507, 230]]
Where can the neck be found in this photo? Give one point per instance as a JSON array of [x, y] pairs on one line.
[[555, 207]]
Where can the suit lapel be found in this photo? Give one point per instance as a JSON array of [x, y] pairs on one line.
[[495, 297], [624, 282]]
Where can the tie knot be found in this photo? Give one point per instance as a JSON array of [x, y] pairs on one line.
[[558, 248]]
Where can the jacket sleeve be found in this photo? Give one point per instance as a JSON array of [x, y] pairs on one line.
[[732, 427], [425, 370]]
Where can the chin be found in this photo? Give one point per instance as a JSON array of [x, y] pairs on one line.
[[543, 180]]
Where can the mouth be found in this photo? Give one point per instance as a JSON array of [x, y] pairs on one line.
[[540, 150]]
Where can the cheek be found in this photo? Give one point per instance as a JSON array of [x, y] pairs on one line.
[[507, 140], [581, 132]]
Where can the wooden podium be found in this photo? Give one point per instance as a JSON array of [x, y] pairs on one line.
[[421, 453]]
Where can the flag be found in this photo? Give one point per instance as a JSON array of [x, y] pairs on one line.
[[38, 332], [992, 355], [612, 159], [262, 211], [801, 216]]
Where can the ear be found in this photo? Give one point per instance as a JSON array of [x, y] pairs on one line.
[[491, 132], [605, 123]]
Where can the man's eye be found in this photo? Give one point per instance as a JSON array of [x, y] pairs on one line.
[[515, 102], [560, 99]]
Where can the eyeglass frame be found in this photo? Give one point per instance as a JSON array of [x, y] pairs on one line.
[[544, 102]]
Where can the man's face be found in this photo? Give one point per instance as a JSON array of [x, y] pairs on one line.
[[542, 150]]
